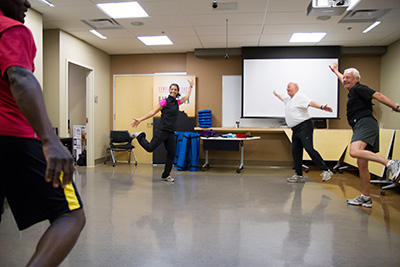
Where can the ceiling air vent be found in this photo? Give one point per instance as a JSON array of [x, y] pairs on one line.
[[102, 24], [364, 15]]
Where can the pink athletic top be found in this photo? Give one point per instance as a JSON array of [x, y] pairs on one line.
[[163, 102], [17, 48]]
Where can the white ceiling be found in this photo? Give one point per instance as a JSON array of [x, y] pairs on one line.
[[194, 24]]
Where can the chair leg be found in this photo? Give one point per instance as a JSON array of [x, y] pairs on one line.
[[129, 158], [113, 157], [133, 153]]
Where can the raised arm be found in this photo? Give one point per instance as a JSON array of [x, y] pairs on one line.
[[137, 121], [334, 69], [186, 97], [27, 93], [386, 101], [278, 95], [315, 104]]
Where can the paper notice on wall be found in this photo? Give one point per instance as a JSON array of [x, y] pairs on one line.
[[79, 140]]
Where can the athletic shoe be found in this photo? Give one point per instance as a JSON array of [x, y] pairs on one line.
[[168, 179], [326, 175], [296, 179], [360, 201], [135, 135], [394, 169]]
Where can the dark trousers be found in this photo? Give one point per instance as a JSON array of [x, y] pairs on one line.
[[1, 204], [168, 138], [303, 138]]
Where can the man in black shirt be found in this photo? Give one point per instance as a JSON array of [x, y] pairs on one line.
[[365, 140]]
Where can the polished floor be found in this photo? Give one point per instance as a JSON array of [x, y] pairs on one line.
[[220, 218]]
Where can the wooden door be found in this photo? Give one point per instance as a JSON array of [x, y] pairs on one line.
[[134, 98]]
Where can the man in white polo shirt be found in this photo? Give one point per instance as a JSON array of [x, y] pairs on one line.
[[298, 118]]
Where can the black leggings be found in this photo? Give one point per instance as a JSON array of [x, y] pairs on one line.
[[168, 138], [303, 138]]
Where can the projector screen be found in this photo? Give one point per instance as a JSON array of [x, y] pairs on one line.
[[261, 76]]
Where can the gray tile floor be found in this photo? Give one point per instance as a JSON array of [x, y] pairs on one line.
[[213, 218]]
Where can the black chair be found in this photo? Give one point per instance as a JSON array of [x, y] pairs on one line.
[[120, 141]]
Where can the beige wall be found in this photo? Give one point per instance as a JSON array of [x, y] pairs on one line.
[[390, 71], [80, 53], [76, 95], [34, 22], [209, 73], [51, 68], [62, 48]]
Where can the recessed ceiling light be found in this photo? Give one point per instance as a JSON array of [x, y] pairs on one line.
[[48, 3], [155, 40], [307, 37], [373, 25], [123, 10], [98, 34]]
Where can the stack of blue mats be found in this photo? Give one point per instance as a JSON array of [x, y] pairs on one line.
[[205, 120]]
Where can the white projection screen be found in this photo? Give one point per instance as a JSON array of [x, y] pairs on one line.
[[262, 76], [266, 69]]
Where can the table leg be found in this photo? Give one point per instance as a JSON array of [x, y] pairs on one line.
[[238, 170], [206, 165]]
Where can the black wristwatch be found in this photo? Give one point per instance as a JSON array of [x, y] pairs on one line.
[[396, 108]]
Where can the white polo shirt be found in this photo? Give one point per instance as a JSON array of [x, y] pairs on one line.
[[296, 109]]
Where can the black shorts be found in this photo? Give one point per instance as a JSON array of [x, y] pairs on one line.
[[29, 196], [367, 130]]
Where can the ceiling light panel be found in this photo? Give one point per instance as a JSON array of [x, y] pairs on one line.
[[307, 37], [123, 10], [155, 40]]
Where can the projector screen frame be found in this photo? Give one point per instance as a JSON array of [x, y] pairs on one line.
[[289, 52]]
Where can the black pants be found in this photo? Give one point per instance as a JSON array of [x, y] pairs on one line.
[[168, 138], [1, 204], [303, 138]]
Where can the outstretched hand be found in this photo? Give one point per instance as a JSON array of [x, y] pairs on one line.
[[191, 82], [327, 108], [334, 67], [60, 164], [135, 122]]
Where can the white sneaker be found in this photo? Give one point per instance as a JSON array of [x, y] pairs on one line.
[[360, 201], [394, 169], [135, 135], [168, 179], [296, 179], [326, 175]]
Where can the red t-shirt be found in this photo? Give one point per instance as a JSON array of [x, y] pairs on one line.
[[17, 48]]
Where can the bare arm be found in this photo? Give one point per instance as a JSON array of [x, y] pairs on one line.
[[28, 96], [186, 97], [385, 100], [334, 69], [137, 121], [315, 104], [278, 95]]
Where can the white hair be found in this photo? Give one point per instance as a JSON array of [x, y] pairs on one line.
[[354, 71]]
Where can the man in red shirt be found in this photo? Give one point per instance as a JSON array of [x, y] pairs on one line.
[[37, 170]]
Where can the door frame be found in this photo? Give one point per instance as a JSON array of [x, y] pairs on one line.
[[89, 108]]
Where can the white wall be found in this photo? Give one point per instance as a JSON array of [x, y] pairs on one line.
[[390, 71]]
